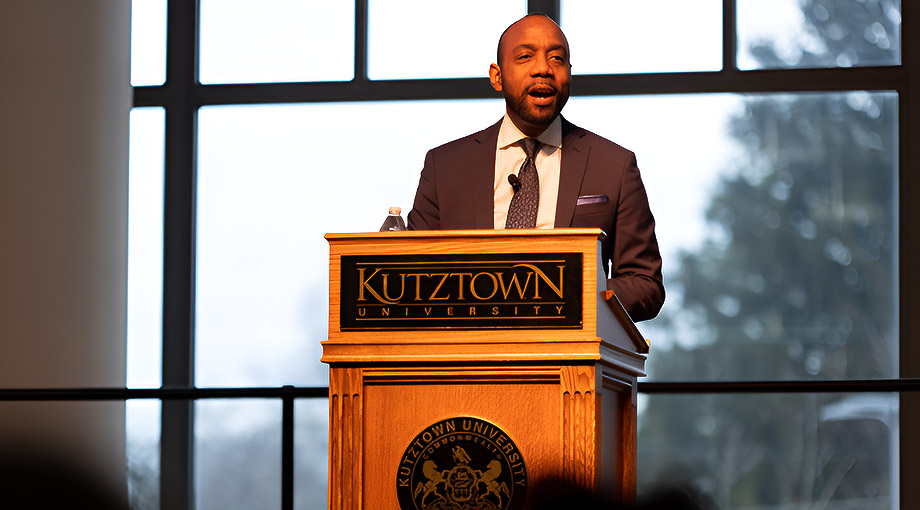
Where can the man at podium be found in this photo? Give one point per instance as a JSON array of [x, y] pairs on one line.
[[534, 169]]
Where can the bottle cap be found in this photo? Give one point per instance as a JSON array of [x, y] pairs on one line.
[[395, 210]]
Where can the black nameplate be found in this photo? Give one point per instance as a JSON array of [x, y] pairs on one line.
[[461, 291]]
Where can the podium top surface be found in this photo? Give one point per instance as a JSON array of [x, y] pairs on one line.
[[486, 234]]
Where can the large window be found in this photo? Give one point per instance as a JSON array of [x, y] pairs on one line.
[[771, 139]]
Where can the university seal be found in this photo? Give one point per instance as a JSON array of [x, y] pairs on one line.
[[461, 463]]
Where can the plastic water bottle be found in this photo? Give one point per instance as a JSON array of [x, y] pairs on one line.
[[394, 221]]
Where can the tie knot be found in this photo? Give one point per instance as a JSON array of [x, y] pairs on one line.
[[530, 146]]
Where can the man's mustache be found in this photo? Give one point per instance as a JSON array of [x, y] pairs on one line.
[[542, 87]]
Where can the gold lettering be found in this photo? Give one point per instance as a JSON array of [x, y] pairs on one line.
[[559, 309], [460, 284], [385, 312], [427, 310], [361, 312], [418, 285], [365, 285], [436, 289], [386, 288], [494, 310], [536, 309], [545, 278], [516, 282], [494, 286], [450, 310], [472, 311]]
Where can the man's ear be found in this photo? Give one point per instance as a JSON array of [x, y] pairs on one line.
[[495, 77]]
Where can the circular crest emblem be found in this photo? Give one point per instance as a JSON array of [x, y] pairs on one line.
[[461, 463]]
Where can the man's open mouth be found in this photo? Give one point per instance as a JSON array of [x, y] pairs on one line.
[[541, 91], [542, 95]]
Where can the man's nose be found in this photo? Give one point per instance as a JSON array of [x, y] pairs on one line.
[[541, 66]]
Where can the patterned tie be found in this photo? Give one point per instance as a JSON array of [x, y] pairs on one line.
[[522, 213]]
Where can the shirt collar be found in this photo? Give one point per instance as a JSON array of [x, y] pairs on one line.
[[509, 134]]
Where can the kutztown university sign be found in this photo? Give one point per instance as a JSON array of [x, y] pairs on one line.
[[461, 291]]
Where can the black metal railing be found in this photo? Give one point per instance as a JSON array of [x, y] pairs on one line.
[[288, 394]]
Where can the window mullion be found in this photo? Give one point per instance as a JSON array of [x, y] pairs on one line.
[[177, 432], [729, 37]]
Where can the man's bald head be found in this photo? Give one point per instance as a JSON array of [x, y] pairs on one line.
[[501, 39]]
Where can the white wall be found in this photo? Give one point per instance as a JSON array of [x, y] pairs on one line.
[[65, 98]]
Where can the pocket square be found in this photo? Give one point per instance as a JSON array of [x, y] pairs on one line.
[[591, 199]]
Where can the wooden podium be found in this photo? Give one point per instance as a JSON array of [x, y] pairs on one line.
[[431, 329]]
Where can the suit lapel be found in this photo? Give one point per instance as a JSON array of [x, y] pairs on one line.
[[481, 173], [571, 172]]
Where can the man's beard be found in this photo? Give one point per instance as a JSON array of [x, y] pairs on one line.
[[532, 114]]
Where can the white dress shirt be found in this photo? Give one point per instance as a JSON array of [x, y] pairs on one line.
[[509, 156]]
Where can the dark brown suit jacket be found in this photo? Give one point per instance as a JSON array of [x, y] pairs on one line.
[[599, 186]]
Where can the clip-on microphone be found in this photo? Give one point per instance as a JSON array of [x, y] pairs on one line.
[[514, 182]]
